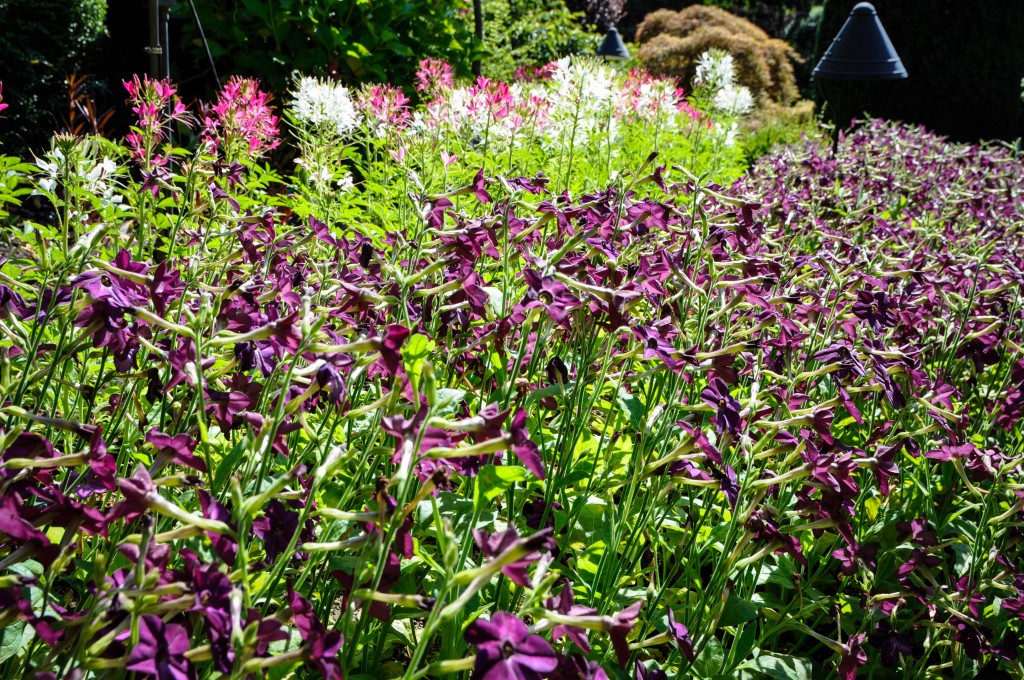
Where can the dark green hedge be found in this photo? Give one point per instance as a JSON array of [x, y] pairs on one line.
[[965, 61], [358, 41], [41, 42]]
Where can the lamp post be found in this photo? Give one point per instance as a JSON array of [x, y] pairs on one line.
[[159, 38], [613, 47], [478, 33], [860, 51]]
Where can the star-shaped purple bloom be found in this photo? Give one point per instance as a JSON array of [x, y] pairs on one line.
[[891, 643], [161, 650], [506, 650], [523, 447], [727, 409], [495, 545], [877, 308], [177, 449], [551, 294]]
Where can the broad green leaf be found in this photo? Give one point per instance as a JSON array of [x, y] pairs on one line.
[[632, 407], [495, 300], [448, 401], [963, 557], [709, 661], [737, 611], [14, 638], [494, 480], [745, 643], [781, 667], [27, 568], [414, 355], [590, 559], [871, 506]]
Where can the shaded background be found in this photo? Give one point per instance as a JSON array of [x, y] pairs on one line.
[[965, 59], [965, 62]]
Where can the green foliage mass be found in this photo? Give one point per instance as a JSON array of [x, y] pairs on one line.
[[41, 42], [357, 41], [531, 33], [964, 60]]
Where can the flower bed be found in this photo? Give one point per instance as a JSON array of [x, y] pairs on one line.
[[441, 420]]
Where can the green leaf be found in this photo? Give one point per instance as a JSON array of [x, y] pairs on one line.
[[27, 568], [709, 661], [737, 611], [744, 644], [448, 401], [589, 561], [495, 300], [15, 638], [963, 558], [494, 480], [632, 407], [782, 667], [549, 391], [228, 464], [414, 354]]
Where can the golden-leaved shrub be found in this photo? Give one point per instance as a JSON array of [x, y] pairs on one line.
[[672, 42]]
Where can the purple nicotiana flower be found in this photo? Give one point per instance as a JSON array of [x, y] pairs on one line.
[[853, 657], [177, 449], [321, 646], [644, 672], [389, 345], [765, 529], [623, 622], [876, 308], [727, 408], [161, 650], [102, 473], [658, 345], [21, 532], [495, 545], [523, 447], [331, 382], [681, 635], [564, 605], [892, 644], [549, 293], [225, 546], [276, 528], [506, 650], [578, 667], [166, 287]]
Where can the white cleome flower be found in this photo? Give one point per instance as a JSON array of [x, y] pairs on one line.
[[346, 183], [325, 104], [715, 69], [734, 100]]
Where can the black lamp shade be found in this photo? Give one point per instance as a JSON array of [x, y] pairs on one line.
[[613, 47], [861, 50]]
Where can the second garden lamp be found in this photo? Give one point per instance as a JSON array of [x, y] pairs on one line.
[[613, 47], [861, 50]]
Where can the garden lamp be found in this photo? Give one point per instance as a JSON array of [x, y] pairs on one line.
[[613, 47], [861, 50]]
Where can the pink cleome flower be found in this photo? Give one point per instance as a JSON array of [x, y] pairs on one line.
[[386, 105], [243, 114], [434, 77]]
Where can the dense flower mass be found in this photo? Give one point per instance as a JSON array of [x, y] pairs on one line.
[[717, 73], [471, 417], [574, 103], [242, 116], [323, 103]]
